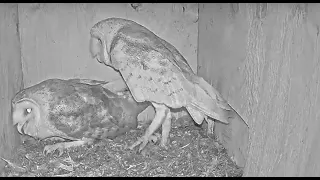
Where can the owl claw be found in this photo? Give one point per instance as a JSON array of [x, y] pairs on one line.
[[143, 141], [52, 148], [154, 138], [164, 146], [64, 145], [161, 112]]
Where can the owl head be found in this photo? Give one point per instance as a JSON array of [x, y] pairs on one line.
[[26, 115], [98, 44], [102, 35]]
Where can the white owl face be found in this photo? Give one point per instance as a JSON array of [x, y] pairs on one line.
[[26, 115], [23, 115], [98, 47]]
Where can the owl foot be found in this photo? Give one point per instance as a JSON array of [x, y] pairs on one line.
[[144, 141], [162, 117], [154, 138], [62, 146], [166, 128], [164, 146]]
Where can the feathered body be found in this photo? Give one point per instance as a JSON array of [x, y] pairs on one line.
[[74, 109], [156, 72]]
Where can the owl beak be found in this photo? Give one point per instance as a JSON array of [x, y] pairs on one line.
[[19, 128], [98, 59], [16, 121]]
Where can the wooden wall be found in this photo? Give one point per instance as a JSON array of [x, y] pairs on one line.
[[55, 37], [54, 40], [10, 76], [264, 58]]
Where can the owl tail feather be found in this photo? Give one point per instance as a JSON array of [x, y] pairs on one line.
[[204, 105], [214, 94], [198, 114]]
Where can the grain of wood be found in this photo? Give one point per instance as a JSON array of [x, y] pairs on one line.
[[272, 81], [10, 77], [222, 49]]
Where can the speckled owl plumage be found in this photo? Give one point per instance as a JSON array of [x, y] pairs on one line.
[[155, 72], [75, 110]]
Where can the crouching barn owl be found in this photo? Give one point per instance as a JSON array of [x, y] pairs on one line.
[[78, 110], [155, 71]]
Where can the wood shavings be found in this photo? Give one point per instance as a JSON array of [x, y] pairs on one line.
[[192, 155], [14, 166]]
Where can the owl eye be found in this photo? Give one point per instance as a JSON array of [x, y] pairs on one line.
[[28, 111]]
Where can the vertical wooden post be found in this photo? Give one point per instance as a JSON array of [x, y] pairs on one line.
[[221, 47], [10, 76]]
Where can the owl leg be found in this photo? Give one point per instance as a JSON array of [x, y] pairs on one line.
[[64, 145], [210, 125], [161, 113], [166, 127]]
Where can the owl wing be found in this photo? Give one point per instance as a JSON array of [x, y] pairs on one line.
[[181, 62], [87, 81], [68, 111], [149, 76], [78, 109], [152, 73], [94, 112]]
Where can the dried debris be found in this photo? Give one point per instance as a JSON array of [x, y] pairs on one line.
[[190, 153]]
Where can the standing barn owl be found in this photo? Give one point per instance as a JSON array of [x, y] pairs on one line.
[[77, 110], [155, 71]]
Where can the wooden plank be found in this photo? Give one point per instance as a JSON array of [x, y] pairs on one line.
[[275, 85], [55, 37], [10, 77], [222, 49]]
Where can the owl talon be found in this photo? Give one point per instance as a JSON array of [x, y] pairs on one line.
[[164, 146], [144, 141], [64, 145], [154, 138], [52, 148]]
